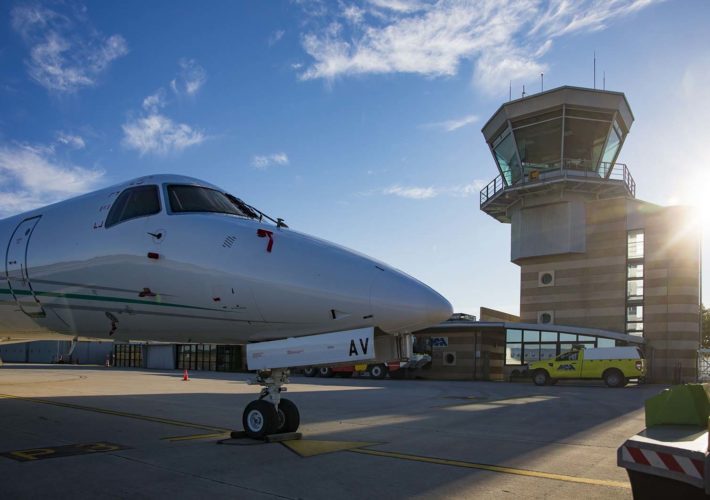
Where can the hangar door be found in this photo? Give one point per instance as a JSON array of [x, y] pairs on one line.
[[16, 269]]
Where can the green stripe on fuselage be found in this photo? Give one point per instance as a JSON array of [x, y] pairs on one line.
[[99, 298]]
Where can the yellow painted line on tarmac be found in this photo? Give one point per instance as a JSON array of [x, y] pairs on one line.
[[495, 468], [312, 447], [197, 436], [135, 416]]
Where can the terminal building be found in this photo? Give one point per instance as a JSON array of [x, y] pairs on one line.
[[598, 266]]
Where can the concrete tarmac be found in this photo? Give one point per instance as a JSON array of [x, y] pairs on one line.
[[72, 431]]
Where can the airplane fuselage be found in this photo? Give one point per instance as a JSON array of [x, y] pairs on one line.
[[75, 268]]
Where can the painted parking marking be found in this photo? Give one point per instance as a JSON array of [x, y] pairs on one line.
[[311, 447], [213, 431], [68, 450], [495, 468]]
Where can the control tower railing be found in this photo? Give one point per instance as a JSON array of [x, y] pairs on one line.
[[570, 169]]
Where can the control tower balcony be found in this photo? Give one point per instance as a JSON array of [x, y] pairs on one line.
[[563, 140], [605, 181]]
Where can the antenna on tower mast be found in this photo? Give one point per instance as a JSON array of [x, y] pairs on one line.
[[604, 81], [510, 90], [595, 69], [542, 81]]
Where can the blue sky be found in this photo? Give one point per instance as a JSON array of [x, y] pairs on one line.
[[358, 122]]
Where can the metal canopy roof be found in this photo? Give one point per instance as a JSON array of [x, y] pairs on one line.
[[578, 330]]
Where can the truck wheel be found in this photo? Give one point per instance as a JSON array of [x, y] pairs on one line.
[[325, 372], [378, 371], [614, 378], [310, 372], [540, 377]]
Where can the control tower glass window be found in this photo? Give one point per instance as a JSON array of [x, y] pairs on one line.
[[538, 139], [585, 135], [504, 149], [612, 147]]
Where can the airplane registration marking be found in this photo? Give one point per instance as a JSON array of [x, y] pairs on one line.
[[69, 450], [495, 468]]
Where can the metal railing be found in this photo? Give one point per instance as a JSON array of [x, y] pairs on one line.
[[569, 169]]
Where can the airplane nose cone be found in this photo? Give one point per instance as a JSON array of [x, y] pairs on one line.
[[402, 304]]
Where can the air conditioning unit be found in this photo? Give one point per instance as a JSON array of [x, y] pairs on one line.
[[545, 317], [546, 278], [449, 358]]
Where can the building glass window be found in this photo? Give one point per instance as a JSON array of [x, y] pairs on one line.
[[513, 354], [514, 336], [531, 352], [504, 149], [548, 336], [635, 244], [634, 271], [528, 346], [612, 147], [539, 143], [531, 336], [584, 140], [634, 282], [634, 313]]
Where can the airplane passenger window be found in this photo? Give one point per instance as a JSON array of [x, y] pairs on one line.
[[199, 199], [139, 201]]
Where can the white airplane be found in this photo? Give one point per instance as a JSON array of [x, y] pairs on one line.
[[173, 259]]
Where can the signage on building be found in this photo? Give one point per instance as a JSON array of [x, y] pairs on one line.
[[439, 341]]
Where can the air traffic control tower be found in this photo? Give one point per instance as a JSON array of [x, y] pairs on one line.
[[590, 253]]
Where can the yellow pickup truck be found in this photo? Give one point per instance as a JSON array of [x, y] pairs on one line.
[[614, 365]]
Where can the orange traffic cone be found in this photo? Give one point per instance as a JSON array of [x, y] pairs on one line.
[[185, 377]]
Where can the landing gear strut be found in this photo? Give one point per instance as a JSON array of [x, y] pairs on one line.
[[270, 414]]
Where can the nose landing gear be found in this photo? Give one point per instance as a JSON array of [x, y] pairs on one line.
[[270, 414]]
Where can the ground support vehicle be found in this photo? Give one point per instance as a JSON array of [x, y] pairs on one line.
[[395, 369], [670, 460], [614, 365]]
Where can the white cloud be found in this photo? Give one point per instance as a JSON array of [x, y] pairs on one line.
[[31, 176], [66, 52], [275, 37], [158, 134], [454, 124], [190, 79], [71, 140], [154, 102], [425, 193], [414, 193], [505, 39], [262, 162], [399, 5]]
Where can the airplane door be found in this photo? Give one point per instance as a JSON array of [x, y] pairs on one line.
[[16, 269]]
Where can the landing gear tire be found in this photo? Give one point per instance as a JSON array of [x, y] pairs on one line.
[[325, 372], [378, 371], [310, 372], [260, 419], [540, 377], [289, 418]]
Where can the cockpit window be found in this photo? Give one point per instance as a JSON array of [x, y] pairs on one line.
[[139, 201], [185, 198]]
